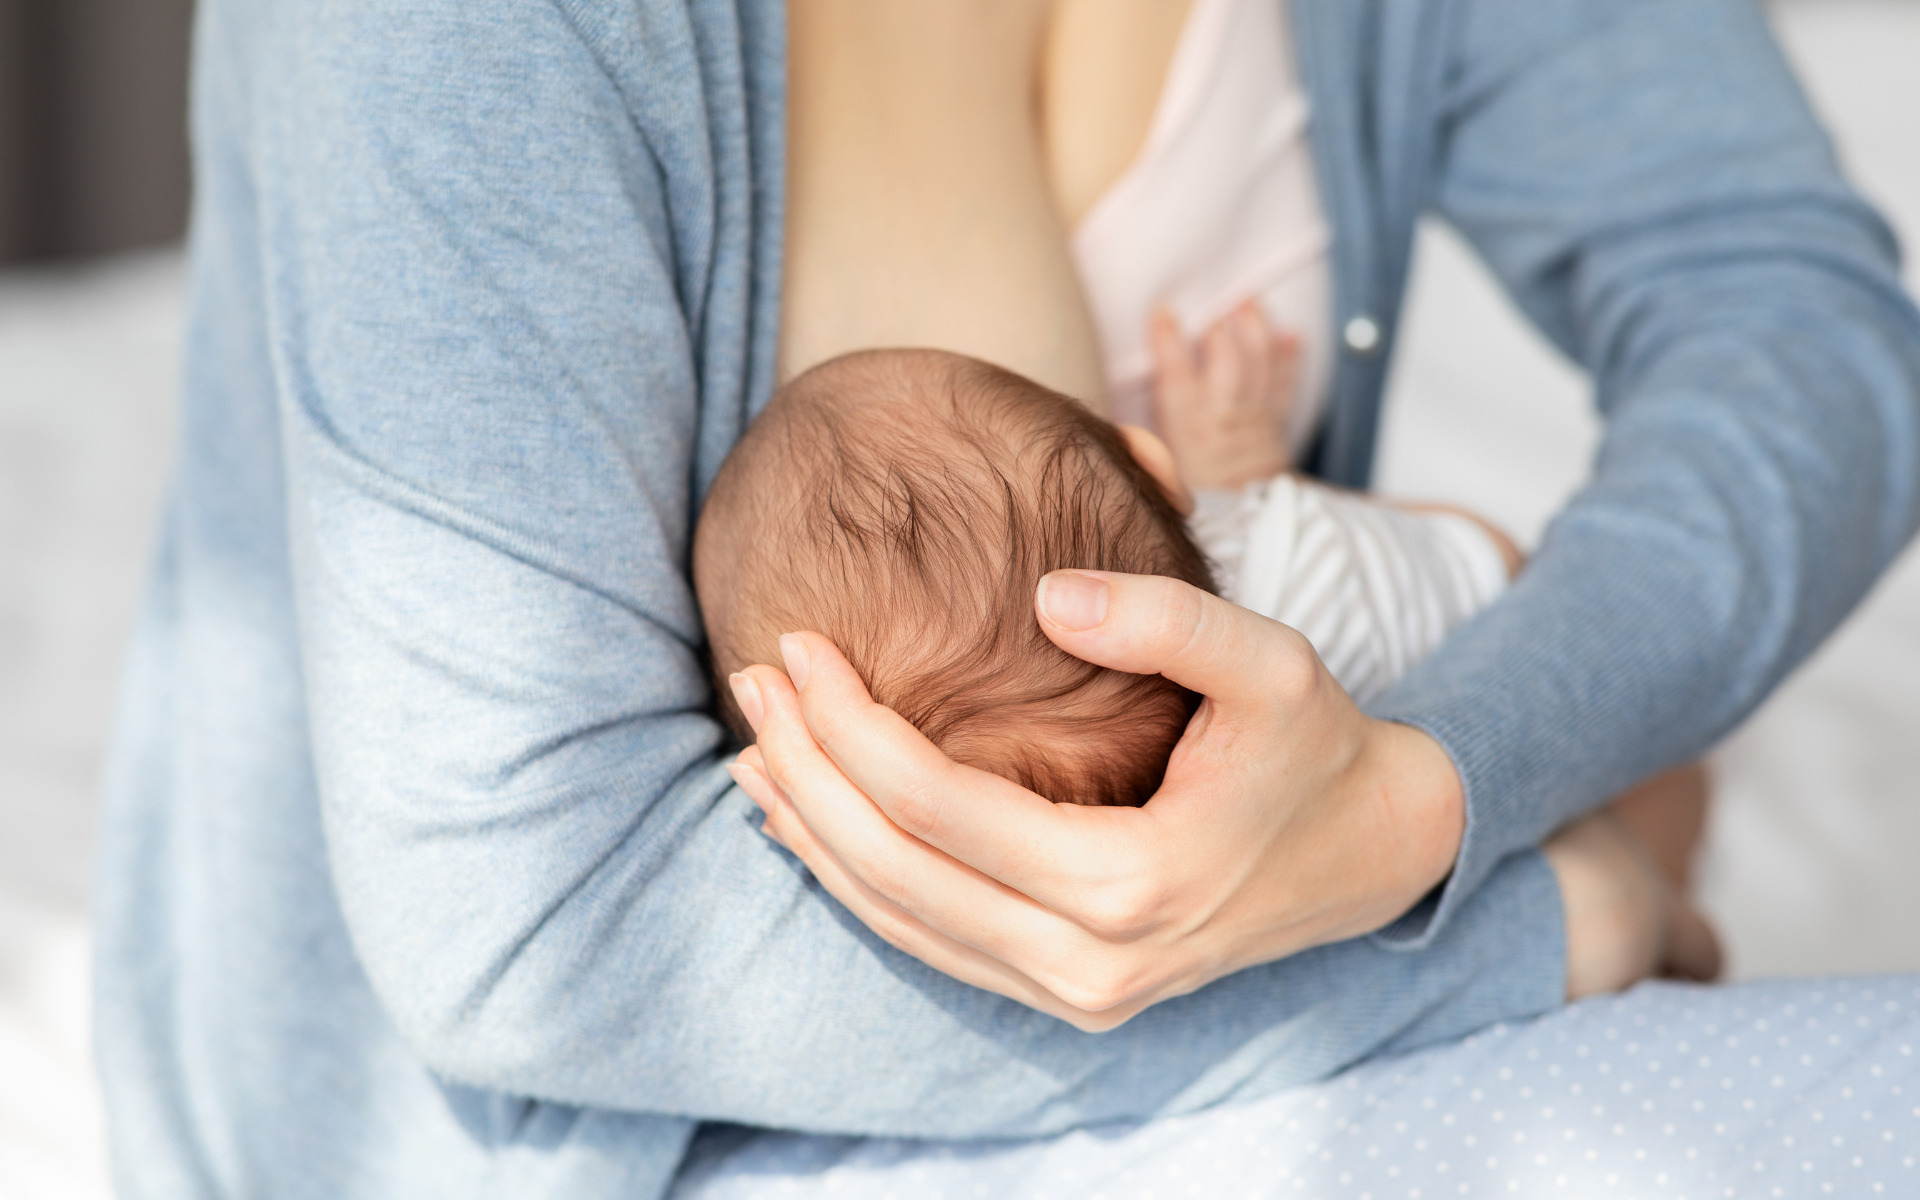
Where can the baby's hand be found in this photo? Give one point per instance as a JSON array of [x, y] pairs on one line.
[[1222, 403]]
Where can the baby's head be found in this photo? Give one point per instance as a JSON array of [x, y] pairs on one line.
[[905, 504]]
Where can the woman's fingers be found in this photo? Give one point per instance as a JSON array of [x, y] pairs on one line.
[[835, 808], [978, 817], [1086, 864], [750, 773], [1152, 625], [994, 915], [898, 928], [877, 747]]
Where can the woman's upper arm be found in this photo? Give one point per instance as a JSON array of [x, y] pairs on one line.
[[1650, 185], [488, 322]]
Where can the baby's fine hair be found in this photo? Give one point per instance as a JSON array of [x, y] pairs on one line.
[[905, 504]]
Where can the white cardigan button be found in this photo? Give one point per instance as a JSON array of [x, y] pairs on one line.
[[1362, 335]]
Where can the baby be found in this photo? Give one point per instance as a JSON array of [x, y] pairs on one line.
[[905, 503]]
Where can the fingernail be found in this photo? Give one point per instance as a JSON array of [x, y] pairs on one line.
[[793, 652], [1072, 600], [746, 693], [738, 773], [743, 774]]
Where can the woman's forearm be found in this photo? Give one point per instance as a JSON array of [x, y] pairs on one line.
[[1741, 311]]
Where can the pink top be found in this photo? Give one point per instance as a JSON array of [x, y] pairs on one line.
[[1221, 204]]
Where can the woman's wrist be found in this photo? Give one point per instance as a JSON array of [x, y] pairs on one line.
[[1416, 779]]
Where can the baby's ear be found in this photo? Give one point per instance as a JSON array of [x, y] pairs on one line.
[[1157, 460]]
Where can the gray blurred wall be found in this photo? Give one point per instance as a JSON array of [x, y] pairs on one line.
[[93, 145]]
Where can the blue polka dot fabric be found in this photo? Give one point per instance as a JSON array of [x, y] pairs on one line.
[[1778, 1089]]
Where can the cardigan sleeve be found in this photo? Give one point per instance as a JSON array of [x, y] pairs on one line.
[[1647, 181]]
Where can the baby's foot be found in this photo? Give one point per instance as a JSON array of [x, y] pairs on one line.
[[1668, 816], [1693, 948]]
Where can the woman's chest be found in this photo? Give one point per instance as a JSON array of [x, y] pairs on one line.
[[938, 152]]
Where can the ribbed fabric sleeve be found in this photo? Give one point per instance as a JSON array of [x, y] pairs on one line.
[[1373, 586], [1759, 368]]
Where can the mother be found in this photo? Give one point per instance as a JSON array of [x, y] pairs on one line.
[[422, 874]]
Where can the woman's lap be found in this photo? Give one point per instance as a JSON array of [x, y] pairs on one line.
[[1780, 1088]]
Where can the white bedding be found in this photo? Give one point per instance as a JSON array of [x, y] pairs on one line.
[[1808, 866], [1790, 1088]]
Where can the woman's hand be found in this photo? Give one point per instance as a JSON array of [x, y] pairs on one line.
[[1287, 818]]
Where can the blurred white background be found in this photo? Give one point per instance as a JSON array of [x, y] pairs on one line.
[[1816, 831]]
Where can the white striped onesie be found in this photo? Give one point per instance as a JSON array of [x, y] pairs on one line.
[[1373, 588]]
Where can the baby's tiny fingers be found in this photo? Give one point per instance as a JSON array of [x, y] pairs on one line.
[[1283, 355], [1225, 369], [1250, 325], [1175, 373], [1168, 343], [1254, 339]]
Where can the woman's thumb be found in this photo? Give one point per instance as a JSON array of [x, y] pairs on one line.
[[1152, 625]]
